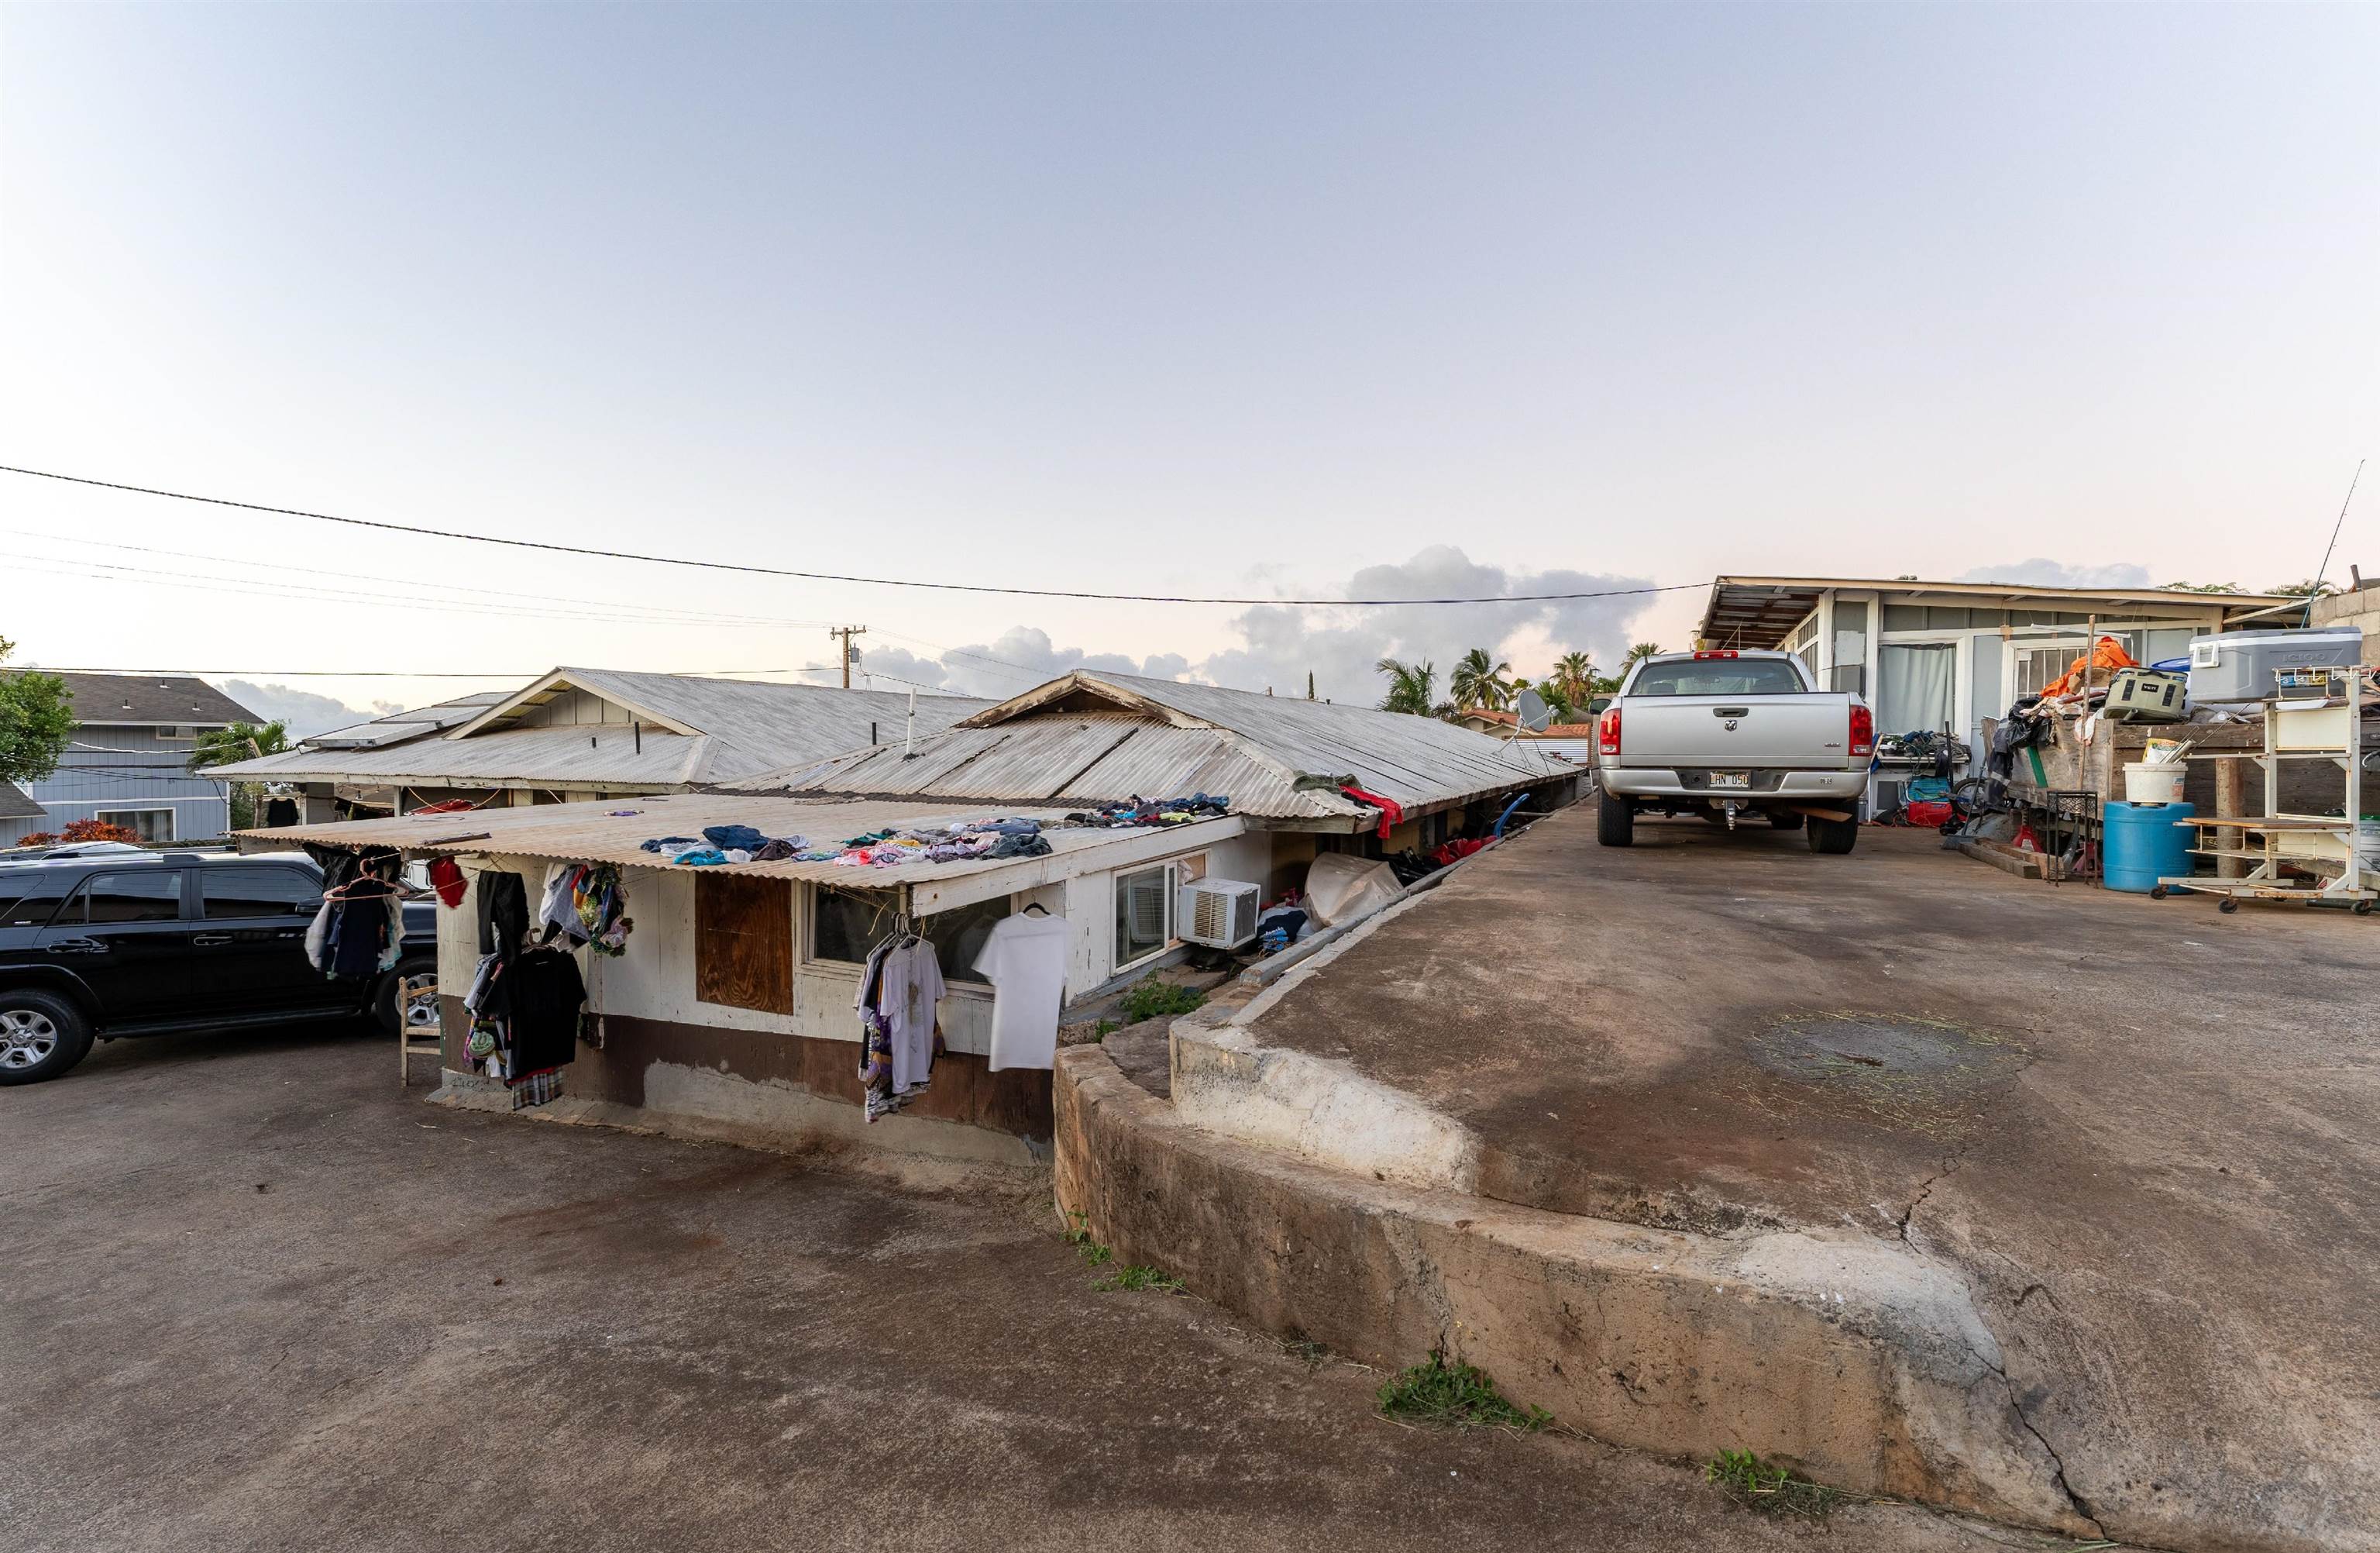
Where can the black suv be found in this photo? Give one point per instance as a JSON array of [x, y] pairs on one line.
[[153, 944]]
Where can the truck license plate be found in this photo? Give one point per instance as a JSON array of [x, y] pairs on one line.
[[1730, 778]]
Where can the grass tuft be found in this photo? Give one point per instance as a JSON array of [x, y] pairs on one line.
[[1079, 1235], [1137, 1279], [1157, 999], [1457, 1396], [1756, 1486]]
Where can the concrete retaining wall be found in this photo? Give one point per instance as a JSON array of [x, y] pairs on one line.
[[1851, 1359]]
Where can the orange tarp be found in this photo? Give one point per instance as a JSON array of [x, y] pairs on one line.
[[2107, 656]]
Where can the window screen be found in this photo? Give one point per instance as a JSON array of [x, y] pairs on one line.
[[256, 892], [1144, 914], [744, 943], [958, 936], [127, 898], [150, 825], [844, 925]]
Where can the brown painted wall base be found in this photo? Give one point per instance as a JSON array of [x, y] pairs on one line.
[[964, 1090]]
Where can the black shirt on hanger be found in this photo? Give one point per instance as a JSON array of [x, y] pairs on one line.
[[546, 995]]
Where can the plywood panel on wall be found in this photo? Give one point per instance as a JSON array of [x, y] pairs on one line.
[[743, 942]]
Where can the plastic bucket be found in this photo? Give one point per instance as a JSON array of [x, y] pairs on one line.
[[2145, 783]]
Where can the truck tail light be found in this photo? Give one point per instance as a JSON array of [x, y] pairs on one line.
[[1606, 731], [1863, 730], [1717, 653]]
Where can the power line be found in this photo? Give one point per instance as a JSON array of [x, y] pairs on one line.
[[820, 576], [662, 613]]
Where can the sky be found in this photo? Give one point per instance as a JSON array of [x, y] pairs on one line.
[[1263, 302]]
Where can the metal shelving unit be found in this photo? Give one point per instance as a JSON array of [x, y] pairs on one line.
[[2313, 715]]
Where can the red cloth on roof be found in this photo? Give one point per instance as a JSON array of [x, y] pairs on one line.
[[1391, 812]]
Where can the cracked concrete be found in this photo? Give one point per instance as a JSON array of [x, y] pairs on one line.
[[2147, 1142]]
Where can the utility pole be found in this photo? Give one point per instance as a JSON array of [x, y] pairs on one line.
[[845, 633]]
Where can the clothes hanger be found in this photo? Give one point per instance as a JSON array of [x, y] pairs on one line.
[[1037, 910]]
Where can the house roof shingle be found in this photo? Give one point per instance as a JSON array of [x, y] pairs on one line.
[[146, 698]]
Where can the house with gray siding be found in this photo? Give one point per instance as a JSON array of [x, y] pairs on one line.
[[128, 761]]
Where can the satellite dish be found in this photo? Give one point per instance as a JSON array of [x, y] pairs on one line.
[[1531, 709]]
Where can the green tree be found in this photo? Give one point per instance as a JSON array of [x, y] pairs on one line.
[[1479, 681], [1640, 652], [1575, 674], [2201, 588], [1558, 700], [238, 742], [1411, 687], [36, 721], [2308, 588]]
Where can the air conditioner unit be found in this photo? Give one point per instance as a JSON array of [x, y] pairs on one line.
[[1219, 913]]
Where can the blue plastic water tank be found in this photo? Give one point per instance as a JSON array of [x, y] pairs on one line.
[[2145, 842]]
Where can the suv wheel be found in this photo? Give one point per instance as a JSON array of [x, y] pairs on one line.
[[1615, 821], [41, 1035], [389, 992]]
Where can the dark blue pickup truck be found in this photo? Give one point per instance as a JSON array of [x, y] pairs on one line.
[[98, 947]]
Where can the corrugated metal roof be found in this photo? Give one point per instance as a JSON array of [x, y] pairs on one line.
[[741, 727], [1183, 739], [399, 727], [595, 833]]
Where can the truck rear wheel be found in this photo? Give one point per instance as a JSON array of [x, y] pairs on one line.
[[1615, 821], [1835, 837]]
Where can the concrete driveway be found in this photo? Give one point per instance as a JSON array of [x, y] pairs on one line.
[[254, 1300], [2148, 1136]]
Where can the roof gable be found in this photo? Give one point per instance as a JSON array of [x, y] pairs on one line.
[[172, 699]]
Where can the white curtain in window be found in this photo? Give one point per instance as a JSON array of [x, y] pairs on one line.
[[1915, 685]]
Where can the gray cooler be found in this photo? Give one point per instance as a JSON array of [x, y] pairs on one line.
[[2238, 666]]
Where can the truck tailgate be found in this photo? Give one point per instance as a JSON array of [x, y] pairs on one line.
[[1802, 732]]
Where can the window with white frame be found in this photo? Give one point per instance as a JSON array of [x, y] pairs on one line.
[[150, 825], [1144, 906], [1803, 642], [2038, 666]]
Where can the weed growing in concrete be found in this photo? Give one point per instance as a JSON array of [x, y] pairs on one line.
[[1079, 1235], [1157, 999], [1106, 1029], [1137, 1279], [1458, 1396], [1756, 1486]]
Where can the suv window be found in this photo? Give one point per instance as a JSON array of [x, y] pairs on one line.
[[1717, 677], [28, 896], [256, 892], [127, 898]]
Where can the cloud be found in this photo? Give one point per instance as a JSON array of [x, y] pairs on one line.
[[1276, 646], [895, 668], [306, 712], [2042, 572], [1024, 656], [1341, 644]]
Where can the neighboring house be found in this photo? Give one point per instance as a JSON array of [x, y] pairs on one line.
[[129, 759], [1573, 741], [731, 1011], [1092, 737], [1943, 656], [587, 733]]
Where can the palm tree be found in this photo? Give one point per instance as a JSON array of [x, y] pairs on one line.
[[238, 742], [1640, 650], [1479, 681], [1411, 686], [1574, 677], [1558, 700]]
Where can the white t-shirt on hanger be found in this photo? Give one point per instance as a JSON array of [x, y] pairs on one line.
[[911, 986], [1025, 960]]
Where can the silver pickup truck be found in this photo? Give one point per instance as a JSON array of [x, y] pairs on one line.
[[1717, 734]]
